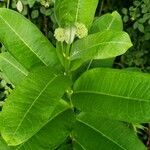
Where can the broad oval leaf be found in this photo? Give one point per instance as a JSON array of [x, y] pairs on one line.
[[12, 69], [95, 133], [117, 94], [68, 12], [100, 45], [107, 22], [54, 132], [31, 104], [24, 41]]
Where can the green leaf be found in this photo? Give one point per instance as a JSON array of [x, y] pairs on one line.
[[31, 3], [100, 45], [34, 14], [103, 63], [68, 12], [141, 27], [55, 131], [31, 104], [93, 133], [12, 69], [124, 11], [24, 41], [4, 146], [126, 18], [107, 22], [118, 94]]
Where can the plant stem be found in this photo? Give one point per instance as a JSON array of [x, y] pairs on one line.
[[46, 26], [69, 93], [67, 59], [101, 8], [8, 3], [68, 50]]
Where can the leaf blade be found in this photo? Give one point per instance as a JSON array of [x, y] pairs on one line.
[[26, 43], [54, 132], [101, 45], [108, 21], [14, 71], [68, 12], [117, 94], [91, 126], [36, 97]]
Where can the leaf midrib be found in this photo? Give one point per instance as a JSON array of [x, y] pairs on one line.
[[93, 128], [77, 11], [55, 76], [113, 19], [22, 39], [111, 95]]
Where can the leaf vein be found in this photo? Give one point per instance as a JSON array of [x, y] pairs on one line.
[[110, 139]]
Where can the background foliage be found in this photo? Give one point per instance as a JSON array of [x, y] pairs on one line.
[[136, 17]]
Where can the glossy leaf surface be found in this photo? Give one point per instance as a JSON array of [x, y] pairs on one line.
[[12, 69], [94, 133], [107, 22], [118, 94], [68, 12], [26, 43], [100, 45], [31, 104], [54, 132]]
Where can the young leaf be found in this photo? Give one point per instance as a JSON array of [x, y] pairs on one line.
[[100, 45], [117, 94], [24, 41], [14, 71], [68, 12], [107, 22], [31, 104], [94, 133]]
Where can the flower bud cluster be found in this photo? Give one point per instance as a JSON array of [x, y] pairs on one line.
[[69, 33], [81, 30], [60, 34]]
